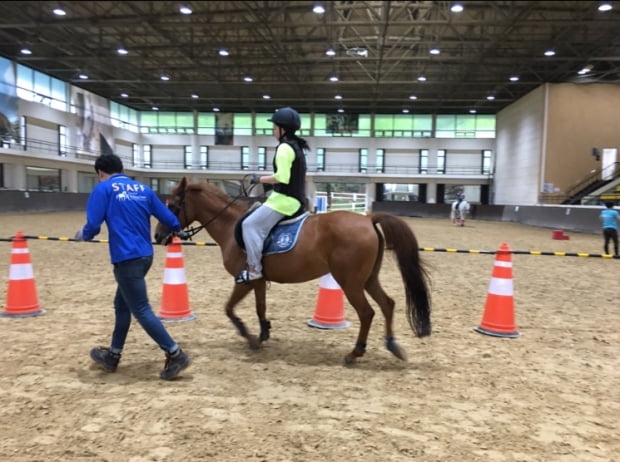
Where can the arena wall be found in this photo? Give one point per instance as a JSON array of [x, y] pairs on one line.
[[580, 219]]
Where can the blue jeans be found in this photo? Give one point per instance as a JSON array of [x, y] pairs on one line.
[[132, 298]]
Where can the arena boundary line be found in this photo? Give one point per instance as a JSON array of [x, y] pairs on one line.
[[422, 249]]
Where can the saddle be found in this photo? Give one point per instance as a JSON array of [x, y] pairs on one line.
[[282, 237]]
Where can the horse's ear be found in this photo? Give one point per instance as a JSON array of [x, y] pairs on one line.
[[183, 183]]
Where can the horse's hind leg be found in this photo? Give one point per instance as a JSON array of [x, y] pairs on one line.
[[373, 287], [366, 314]]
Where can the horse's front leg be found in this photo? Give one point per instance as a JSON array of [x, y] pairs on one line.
[[260, 297], [238, 293]]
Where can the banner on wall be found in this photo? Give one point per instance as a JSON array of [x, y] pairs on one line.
[[224, 128], [9, 118], [341, 123], [93, 131]]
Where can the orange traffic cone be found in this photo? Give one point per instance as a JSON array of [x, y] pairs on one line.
[[329, 312], [21, 296], [175, 298], [498, 318]]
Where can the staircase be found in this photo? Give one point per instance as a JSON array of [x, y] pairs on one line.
[[591, 188]]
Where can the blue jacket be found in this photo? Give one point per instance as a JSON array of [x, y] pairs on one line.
[[126, 207]]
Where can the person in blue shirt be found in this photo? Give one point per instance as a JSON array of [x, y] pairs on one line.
[[610, 219], [126, 206]]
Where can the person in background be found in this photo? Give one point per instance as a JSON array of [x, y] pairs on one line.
[[287, 197], [610, 218], [126, 206]]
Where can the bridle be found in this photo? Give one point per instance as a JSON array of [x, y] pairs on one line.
[[179, 207]]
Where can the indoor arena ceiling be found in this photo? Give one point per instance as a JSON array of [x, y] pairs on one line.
[[381, 50]]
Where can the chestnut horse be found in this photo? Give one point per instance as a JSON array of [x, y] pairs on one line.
[[348, 245]]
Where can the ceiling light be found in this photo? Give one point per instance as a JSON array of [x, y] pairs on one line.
[[405, 111], [164, 77], [338, 97], [490, 97], [333, 78], [248, 78], [456, 8], [155, 108], [341, 110], [83, 76], [422, 78], [514, 78], [435, 51], [266, 97], [124, 95], [550, 53], [330, 52], [58, 11], [605, 6], [223, 52], [25, 51], [318, 9], [184, 9], [413, 97], [122, 51], [195, 96], [472, 111], [216, 109]]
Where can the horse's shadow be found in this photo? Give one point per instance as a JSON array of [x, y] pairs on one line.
[[307, 352]]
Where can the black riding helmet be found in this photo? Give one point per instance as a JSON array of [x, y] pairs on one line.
[[287, 118]]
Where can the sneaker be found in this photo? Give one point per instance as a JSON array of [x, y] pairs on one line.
[[246, 276], [105, 358], [174, 364]]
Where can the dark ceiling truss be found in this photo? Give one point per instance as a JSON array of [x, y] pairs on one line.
[[382, 47]]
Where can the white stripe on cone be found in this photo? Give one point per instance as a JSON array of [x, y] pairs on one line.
[[20, 250], [21, 271], [501, 286], [174, 276], [328, 282]]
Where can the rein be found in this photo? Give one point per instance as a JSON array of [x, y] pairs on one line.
[[180, 207]]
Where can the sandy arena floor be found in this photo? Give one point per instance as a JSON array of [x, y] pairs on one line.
[[550, 395]]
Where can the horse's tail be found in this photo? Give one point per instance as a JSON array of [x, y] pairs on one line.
[[400, 239]]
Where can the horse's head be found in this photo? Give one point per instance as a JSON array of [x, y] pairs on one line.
[[181, 208]]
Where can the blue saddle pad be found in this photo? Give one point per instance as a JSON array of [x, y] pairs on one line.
[[284, 236]]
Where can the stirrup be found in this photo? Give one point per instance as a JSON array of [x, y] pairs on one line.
[[245, 277]]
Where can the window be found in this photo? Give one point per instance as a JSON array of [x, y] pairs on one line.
[[204, 157], [187, 157], [320, 159], [441, 161], [23, 133], [363, 160], [242, 124], [155, 185], [245, 157], [206, 123], [146, 155], [135, 154], [62, 140], [486, 161], [262, 158], [380, 160], [42, 179], [423, 161]]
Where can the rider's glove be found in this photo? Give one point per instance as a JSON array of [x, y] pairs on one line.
[[79, 236], [254, 178]]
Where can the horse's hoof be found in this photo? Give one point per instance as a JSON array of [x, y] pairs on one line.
[[396, 350], [348, 361], [253, 343]]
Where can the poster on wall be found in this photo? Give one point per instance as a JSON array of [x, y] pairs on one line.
[[9, 119], [224, 128], [341, 123], [93, 131]]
